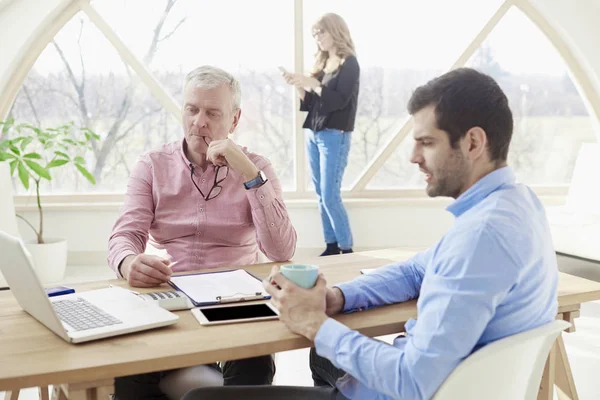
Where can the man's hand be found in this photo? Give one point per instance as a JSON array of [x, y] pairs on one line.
[[145, 270], [301, 310], [226, 152]]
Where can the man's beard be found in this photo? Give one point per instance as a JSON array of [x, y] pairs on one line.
[[448, 180]]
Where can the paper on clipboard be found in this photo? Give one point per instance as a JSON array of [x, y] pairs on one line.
[[220, 287]]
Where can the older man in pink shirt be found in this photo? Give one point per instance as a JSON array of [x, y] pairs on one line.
[[190, 198], [209, 203]]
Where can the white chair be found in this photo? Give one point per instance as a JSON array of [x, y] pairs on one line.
[[510, 368]]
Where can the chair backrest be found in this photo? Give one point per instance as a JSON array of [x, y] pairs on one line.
[[509, 368]]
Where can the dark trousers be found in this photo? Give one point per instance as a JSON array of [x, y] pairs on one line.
[[324, 375], [250, 371]]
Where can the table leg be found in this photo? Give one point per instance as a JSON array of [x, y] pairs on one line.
[[104, 392], [565, 384], [43, 391], [547, 385], [11, 395], [57, 393], [98, 390]]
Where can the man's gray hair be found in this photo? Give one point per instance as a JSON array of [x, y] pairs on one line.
[[209, 77]]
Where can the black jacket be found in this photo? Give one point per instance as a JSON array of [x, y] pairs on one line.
[[336, 107]]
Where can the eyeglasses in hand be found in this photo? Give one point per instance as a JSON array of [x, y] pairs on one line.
[[220, 176]]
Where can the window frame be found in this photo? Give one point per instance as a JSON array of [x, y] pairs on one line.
[[358, 190]]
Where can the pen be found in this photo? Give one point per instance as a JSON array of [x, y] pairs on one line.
[[111, 286], [236, 299]]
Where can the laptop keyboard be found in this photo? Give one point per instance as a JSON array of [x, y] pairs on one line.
[[83, 315]]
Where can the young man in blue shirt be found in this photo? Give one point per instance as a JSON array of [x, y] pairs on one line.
[[492, 275]]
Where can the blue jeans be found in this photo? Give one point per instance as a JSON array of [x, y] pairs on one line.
[[327, 152]]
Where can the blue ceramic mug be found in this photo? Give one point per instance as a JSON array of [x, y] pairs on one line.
[[303, 275]]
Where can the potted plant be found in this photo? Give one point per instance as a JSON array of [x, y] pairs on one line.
[[34, 154]]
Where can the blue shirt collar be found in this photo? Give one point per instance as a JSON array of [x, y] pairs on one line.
[[481, 189]]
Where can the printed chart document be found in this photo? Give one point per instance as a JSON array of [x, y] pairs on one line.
[[220, 287]]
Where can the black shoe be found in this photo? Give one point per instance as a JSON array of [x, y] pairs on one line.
[[332, 249], [346, 251]]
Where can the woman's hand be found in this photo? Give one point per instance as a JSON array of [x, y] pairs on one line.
[[300, 81]]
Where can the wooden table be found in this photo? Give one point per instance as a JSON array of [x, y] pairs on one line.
[[34, 356]]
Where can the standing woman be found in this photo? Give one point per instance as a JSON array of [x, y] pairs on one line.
[[330, 95]]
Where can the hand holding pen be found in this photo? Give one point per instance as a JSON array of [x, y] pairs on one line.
[[146, 270]]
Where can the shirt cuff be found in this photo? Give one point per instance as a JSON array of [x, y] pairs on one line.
[[119, 259], [328, 337], [350, 292], [262, 196]]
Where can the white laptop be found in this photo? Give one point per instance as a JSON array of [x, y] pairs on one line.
[[77, 317]]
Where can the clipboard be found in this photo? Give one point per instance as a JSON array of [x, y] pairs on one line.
[[219, 287]]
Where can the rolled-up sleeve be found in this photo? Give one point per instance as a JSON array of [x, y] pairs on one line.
[[275, 233], [130, 232]]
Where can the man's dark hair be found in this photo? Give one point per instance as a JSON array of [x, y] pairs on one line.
[[465, 98]]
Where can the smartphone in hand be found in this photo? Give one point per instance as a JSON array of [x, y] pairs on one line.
[[283, 70]]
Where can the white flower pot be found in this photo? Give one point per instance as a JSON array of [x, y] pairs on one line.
[[49, 259]]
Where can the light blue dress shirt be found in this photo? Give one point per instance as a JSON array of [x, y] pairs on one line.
[[494, 274]]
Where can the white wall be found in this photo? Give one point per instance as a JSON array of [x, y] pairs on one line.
[[378, 223]]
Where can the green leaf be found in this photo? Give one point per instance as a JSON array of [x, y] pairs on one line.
[[13, 165], [6, 125], [70, 141], [23, 175], [86, 173], [61, 154], [56, 163], [25, 142], [15, 150], [4, 155], [38, 169], [33, 155], [79, 160]]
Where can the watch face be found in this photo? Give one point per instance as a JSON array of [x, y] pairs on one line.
[[262, 176]]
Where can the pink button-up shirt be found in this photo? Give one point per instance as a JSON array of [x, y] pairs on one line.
[[163, 206]]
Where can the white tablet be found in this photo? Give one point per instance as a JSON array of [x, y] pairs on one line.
[[227, 314]]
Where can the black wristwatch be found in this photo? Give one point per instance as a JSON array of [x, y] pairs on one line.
[[260, 180]]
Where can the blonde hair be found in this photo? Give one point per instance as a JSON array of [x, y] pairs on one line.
[[210, 77], [337, 28]]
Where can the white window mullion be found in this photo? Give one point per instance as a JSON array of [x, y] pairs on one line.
[[300, 152], [22, 64], [590, 95], [128, 57], [384, 154]]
